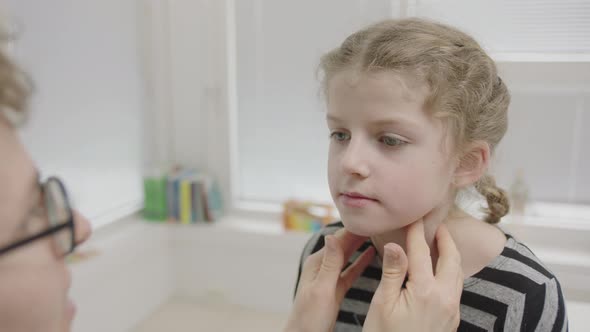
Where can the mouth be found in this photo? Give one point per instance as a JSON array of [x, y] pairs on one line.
[[356, 200]]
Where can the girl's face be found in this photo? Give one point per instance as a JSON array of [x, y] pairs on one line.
[[389, 161], [34, 281]]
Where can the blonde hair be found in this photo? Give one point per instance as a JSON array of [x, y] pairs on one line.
[[15, 85], [464, 86]]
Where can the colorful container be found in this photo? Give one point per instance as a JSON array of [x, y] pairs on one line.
[[306, 216]]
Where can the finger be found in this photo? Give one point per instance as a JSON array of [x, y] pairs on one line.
[[349, 242], [332, 262], [311, 266], [354, 271], [420, 263], [448, 266], [395, 267]]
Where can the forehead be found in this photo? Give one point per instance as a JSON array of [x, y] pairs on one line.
[[377, 86], [17, 174], [378, 96]]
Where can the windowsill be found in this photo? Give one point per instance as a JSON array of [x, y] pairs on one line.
[[555, 222], [543, 219], [557, 215], [558, 238], [266, 217], [556, 242]]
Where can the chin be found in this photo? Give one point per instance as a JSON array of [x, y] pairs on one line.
[[362, 228]]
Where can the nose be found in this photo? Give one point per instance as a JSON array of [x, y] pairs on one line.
[[355, 161], [83, 228]]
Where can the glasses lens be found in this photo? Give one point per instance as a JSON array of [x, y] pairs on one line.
[[59, 213]]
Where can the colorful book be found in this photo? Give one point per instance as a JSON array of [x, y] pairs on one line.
[[184, 196], [170, 197], [154, 186], [185, 201], [154, 198], [197, 200], [174, 194]]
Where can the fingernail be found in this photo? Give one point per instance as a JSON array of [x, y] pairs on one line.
[[391, 253]]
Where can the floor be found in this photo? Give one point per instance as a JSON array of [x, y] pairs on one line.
[[180, 315]]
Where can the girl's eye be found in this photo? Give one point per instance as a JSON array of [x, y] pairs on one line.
[[392, 141], [339, 136]]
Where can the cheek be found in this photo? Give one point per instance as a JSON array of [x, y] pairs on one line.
[[33, 296], [333, 168], [415, 189]]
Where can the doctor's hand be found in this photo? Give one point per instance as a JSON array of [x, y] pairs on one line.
[[430, 301], [323, 284]]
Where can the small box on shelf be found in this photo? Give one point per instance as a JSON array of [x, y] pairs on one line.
[[306, 216]]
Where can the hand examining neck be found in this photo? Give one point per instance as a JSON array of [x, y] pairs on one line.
[[432, 221], [478, 242]]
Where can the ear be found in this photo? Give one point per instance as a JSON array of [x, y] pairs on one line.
[[473, 164]]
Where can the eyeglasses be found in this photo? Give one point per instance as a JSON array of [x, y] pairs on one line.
[[60, 217]]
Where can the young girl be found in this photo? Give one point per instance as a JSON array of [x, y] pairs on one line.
[[415, 110]]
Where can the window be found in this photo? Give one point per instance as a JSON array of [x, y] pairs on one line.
[[282, 137], [87, 106], [549, 27]]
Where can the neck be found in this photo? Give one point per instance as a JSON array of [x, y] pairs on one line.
[[432, 220]]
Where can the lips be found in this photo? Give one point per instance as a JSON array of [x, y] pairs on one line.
[[357, 195], [356, 200]]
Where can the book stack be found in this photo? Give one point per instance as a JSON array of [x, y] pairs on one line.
[[183, 196]]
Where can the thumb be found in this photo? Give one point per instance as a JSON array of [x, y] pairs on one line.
[[332, 262], [395, 266]]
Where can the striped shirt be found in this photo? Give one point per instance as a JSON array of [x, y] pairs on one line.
[[515, 292]]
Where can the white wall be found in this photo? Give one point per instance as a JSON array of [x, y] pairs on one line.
[[87, 116]]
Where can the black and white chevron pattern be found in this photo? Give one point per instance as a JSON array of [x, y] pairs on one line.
[[515, 292]]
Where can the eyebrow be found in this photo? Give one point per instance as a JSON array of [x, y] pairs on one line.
[[382, 122]]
